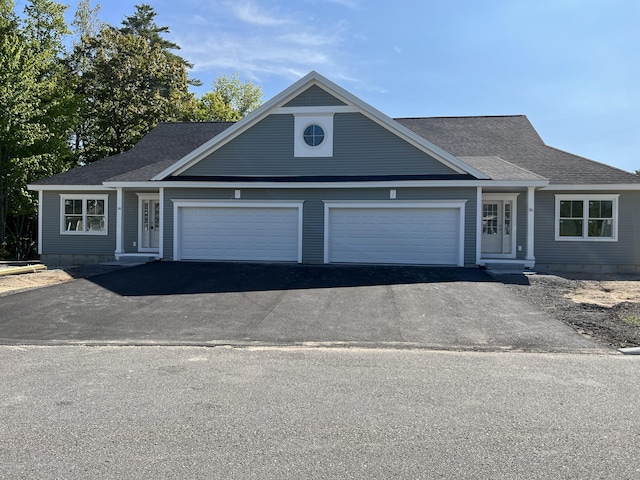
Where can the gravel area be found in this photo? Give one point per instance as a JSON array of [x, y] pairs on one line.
[[587, 303]]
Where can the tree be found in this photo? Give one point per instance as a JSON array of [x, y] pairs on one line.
[[142, 24], [229, 100], [35, 109], [128, 85]]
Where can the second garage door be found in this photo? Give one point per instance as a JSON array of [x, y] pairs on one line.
[[410, 235], [247, 232]]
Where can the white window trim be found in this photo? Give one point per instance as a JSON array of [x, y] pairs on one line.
[[84, 198], [585, 217], [301, 122]]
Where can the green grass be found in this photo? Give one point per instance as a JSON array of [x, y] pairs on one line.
[[632, 319]]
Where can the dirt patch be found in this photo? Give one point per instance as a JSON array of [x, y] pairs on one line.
[[26, 281], [605, 308]]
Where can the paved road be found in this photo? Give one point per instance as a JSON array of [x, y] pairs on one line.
[[178, 303], [186, 412]]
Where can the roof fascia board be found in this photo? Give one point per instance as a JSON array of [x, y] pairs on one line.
[[329, 185], [311, 79], [67, 188], [597, 187]]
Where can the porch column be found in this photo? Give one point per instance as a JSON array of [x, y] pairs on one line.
[[530, 216], [119, 221], [478, 225], [161, 235], [40, 196]]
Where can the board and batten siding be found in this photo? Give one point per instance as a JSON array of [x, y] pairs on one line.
[[360, 147], [314, 96], [572, 255], [55, 243], [313, 210]]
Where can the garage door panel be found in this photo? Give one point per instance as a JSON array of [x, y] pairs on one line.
[[394, 235], [239, 233]]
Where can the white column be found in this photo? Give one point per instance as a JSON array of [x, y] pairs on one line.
[[161, 235], [40, 195], [530, 219], [119, 221], [478, 224]]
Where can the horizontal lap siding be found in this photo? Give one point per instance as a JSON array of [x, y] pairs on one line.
[[130, 216], [313, 213], [361, 147], [55, 243], [314, 96], [626, 251]]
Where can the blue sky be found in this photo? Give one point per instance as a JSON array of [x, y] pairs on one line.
[[571, 66]]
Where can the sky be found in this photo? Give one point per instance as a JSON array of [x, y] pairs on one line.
[[571, 66]]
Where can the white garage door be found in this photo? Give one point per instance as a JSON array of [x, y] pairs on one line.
[[239, 233], [428, 236]]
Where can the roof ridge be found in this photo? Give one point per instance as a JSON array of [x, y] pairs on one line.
[[461, 116]]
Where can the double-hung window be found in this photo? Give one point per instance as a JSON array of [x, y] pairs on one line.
[[83, 214], [586, 217]]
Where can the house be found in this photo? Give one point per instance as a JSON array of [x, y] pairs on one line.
[[317, 176]]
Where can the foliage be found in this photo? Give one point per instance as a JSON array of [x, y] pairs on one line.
[[35, 108], [62, 107], [229, 100], [127, 85]]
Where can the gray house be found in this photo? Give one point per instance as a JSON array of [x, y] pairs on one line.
[[318, 176]]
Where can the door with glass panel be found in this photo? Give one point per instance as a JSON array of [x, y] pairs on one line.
[[150, 224], [497, 227]]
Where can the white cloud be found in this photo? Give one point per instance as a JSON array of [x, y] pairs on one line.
[[289, 48], [251, 13]]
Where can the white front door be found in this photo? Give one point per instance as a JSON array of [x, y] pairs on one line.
[[497, 216], [150, 224]]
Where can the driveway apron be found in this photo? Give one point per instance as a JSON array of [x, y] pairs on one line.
[[277, 304]]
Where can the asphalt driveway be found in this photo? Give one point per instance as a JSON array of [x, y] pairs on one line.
[[274, 304]]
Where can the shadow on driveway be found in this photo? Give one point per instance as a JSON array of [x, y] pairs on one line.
[[172, 278], [174, 303]]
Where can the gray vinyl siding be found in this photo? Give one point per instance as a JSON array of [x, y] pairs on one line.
[[575, 254], [130, 216], [314, 96], [313, 210], [360, 147], [55, 243]]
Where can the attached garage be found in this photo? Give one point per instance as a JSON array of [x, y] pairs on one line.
[[269, 231], [423, 233]]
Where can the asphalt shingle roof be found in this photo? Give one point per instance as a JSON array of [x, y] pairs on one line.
[[164, 145], [513, 138], [503, 147]]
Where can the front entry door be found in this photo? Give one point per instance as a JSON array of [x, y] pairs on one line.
[[496, 227], [150, 224]]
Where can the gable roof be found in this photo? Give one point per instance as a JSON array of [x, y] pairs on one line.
[[486, 147], [513, 138], [351, 103]]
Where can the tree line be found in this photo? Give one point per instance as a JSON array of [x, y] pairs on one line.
[[74, 94]]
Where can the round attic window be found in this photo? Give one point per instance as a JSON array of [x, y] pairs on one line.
[[313, 135]]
